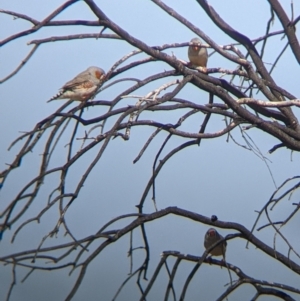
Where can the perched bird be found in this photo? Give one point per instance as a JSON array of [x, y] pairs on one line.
[[211, 237], [82, 86], [197, 55]]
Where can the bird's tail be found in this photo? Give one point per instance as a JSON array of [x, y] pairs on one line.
[[57, 96]]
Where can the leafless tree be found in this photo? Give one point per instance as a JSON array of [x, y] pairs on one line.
[[245, 98]]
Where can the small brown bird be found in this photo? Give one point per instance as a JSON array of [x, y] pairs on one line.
[[197, 55], [83, 86], [211, 237]]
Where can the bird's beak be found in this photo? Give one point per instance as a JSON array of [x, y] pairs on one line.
[[99, 74]]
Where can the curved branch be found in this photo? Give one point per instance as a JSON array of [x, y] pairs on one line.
[[288, 28]]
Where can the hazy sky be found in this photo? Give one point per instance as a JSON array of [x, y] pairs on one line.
[[217, 178]]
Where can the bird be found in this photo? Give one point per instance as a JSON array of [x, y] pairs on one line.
[[211, 237], [83, 86], [197, 55]]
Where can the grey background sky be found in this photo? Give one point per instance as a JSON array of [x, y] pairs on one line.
[[217, 178]]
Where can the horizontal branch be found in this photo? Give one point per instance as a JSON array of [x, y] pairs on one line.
[[235, 269], [40, 24], [276, 104], [74, 37]]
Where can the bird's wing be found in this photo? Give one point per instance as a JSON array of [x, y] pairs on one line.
[[76, 81], [224, 242]]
